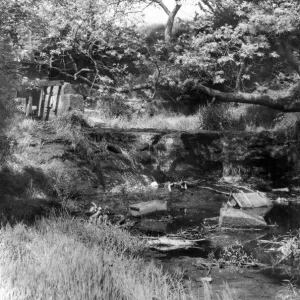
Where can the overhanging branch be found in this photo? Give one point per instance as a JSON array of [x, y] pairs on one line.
[[145, 86], [284, 101]]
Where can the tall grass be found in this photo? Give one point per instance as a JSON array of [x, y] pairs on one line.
[[227, 293], [62, 258], [217, 116], [161, 121]]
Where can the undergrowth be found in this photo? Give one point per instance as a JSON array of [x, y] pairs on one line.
[[161, 121], [22, 174], [215, 116]]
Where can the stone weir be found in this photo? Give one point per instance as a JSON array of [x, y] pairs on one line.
[[138, 157]]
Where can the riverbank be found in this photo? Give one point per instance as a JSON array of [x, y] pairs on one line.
[[64, 258], [66, 165]]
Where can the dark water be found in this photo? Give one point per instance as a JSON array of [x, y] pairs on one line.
[[188, 208]]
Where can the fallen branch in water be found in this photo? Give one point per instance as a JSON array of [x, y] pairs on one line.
[[238, 187]]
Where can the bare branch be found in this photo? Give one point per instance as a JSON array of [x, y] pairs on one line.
[[206, 2], [203, 8], [145, 86], [239, 77], [163, 6], [82, 70]]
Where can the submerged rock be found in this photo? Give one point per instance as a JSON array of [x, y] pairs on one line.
[[236, 218]]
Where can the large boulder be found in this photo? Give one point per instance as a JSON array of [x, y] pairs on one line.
[[70, 102]]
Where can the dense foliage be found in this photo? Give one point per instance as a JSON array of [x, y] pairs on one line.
[[232, 51]]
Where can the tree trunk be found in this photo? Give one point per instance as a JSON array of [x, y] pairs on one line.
[[172, 15], [170, 23]]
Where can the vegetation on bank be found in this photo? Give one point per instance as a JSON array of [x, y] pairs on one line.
[[64, 258], [212, 118], [242, 117], [60, 257]]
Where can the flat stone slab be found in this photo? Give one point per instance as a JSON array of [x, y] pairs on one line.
[[251, 200], [147, 207], [236, 218]]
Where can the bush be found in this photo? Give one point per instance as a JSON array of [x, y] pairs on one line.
[[113, 105], [260, 116], [221, 116]]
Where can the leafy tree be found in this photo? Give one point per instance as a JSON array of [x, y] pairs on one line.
[[251, 59], [94, 42], [233, 51]]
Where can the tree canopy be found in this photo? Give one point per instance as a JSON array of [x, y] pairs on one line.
[[232, 51]]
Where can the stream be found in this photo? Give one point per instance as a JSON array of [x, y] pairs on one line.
[[188, 209]]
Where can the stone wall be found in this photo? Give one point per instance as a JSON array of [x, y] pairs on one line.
[[71, 97]]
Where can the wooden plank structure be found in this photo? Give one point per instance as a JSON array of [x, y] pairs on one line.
[[43, 101], [49, 97]]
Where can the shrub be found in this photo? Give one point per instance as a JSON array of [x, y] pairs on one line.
[[113, 105], [260, 116], [221, 116]]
